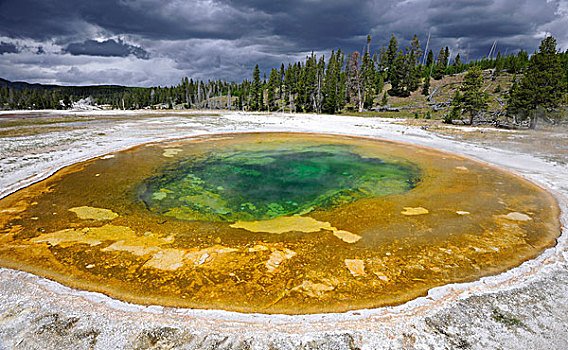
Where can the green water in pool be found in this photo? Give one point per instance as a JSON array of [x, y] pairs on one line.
[[266, 184]]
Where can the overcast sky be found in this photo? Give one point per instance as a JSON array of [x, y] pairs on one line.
[[157, 42]]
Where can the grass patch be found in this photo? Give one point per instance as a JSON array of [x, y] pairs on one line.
[[42, 121], [498, 316], [373, 114], [19, 132]]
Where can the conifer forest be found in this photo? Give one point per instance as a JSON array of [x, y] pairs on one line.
[[344, 82]]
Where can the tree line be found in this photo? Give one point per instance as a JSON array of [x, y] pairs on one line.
[[342, 82], [357, 81], [540, 92]]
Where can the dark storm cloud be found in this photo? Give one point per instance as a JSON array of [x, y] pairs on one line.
[[476, 24], [316, 24], [39, 19], [107, 48], [210, 39], [7, 48]]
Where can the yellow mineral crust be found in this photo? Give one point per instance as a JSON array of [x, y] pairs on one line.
[[170, 259], [257, 248], [346, 236], [313, 289], [278, 257], [166, 259], [89, 235], [171, 152], [414, 211], [514, 216], [96, 235], [90, 213], [356, 267], [201, 256], [304, 224], [284, 224], [146, 245], [122, 246]]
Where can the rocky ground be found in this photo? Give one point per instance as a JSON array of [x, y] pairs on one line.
[[523, 308]]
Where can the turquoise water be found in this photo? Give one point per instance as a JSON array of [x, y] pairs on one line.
[[262, 185]]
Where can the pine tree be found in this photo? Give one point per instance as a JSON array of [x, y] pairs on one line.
[[398, 75], [390, 55], [310, 84], [426, 85], [331, 89], [457, 65], [542, 88], [382, 61], [473, 101], [415, 47], [446, 57], [300, 79], [498, 65], [256, 90], [385, 99], [379, 82], [3, 96], [565, 65], [405, 72], [440, 66], [414, 70], [456, 109], [270, 90], [515, 63], [523, 59], [430, 58]]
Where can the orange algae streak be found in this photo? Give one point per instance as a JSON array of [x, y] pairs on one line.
[[463, 220]]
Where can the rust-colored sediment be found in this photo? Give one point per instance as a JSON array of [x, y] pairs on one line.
[[84, 227]]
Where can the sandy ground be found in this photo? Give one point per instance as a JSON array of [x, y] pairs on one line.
[[523, 308]]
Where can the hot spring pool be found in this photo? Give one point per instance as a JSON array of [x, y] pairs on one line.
[[275, 223]]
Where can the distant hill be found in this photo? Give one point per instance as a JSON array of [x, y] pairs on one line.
[[23, 95], [22, 85]]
